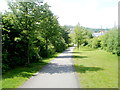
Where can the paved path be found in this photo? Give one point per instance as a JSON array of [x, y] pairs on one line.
[[59, 73]]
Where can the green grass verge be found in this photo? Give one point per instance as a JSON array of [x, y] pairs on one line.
[[16, 77], [96, 68]]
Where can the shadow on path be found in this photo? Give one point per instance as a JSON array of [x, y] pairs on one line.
[[53, 68]]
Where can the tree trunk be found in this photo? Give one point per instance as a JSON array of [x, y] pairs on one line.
[[46, 46], [78, 44]]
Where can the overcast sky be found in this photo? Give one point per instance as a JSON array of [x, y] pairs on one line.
[[89, 13]]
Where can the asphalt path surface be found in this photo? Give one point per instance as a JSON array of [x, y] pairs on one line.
[[59, 73]]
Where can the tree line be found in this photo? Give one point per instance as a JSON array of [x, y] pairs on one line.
[[30, 32], [109, 41]]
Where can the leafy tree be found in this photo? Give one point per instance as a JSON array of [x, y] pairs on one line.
[[30, 32], [65, 34], [81, 35], [78, 34]]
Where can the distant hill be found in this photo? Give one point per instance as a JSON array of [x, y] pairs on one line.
[[91, 29], [97, 29], [69, 26]]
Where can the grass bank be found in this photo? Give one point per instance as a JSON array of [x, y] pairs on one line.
[[96, 68], [16, 77]]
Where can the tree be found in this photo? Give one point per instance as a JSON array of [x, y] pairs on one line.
[[78, 35], [65, 34], [30, 32]]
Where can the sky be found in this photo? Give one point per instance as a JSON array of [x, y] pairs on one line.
[[89, 13]]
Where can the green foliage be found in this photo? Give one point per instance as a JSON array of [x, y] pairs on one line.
[[95, 43], [108, 42], [65, 34], [81, 35], [30, 33]]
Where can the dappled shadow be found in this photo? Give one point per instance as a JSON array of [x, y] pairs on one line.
[[25, 71], [53, 68], [67, 50], [64, 56], [84, 69]]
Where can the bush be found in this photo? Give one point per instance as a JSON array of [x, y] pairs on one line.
[[96, 43], [108, 42]]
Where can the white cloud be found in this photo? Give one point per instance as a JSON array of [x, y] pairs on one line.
[[3, 5], [89, 13]]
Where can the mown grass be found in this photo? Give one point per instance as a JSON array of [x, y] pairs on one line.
[[96, 68], [16, 77]]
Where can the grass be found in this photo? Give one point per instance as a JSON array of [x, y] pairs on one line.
[[96, 68], [16, 77]]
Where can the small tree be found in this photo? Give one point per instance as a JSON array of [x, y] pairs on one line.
[[78, 35]]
